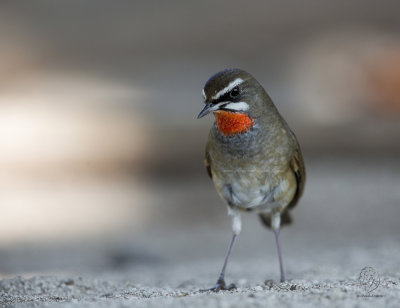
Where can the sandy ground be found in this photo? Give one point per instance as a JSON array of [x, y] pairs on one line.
[[346, 222], [316, 279]]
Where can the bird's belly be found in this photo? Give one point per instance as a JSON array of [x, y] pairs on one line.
[[250, 198], [246, 191]]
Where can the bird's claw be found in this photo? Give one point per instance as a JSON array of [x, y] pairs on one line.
[[221, 286]]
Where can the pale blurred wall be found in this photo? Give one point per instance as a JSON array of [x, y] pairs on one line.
[[98, 99]]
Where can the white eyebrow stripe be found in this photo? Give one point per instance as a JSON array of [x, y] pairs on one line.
[[239, 106], [229, 87], [203, 93]]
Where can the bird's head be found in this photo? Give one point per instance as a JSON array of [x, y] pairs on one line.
[[236, 99]]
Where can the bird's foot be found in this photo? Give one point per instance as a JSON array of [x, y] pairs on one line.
[[221, 286]]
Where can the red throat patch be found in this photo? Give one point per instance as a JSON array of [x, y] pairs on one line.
[[230, 123]]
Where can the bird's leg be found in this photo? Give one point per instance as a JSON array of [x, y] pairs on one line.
[[236, 227], [221, 279], [279, 255], [221, 285], [276, 221]]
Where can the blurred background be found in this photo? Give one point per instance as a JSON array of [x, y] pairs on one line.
[[101, 155]]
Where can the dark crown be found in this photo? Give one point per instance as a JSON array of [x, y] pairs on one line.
[[222, 80]]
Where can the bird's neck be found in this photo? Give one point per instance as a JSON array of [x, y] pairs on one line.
[[231, 123]]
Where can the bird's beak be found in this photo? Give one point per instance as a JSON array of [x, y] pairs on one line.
[[207, 109]]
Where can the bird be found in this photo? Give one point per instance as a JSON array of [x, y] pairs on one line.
[[252, 156]]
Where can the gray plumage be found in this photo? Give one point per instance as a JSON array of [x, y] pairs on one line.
[[261, 169]]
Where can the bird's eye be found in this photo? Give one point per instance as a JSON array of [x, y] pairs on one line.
[[234, 92]]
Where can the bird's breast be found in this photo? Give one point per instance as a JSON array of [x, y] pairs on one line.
[[247, 167]]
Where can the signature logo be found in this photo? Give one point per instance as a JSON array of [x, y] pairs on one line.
[[369, 279]]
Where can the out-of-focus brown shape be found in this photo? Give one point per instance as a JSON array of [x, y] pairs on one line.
[[344, 77], [384, 80]]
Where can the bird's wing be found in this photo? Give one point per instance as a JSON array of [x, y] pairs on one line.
[[298, 170], [297, 167], [207, 164]]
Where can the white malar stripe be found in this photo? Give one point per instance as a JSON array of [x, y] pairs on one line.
[[229, 87], [239, 106]]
